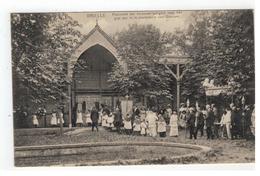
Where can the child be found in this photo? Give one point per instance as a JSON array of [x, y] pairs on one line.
[[143, 127], [110, 121], [174, 125], [53, 119], [104, 119], [88, 119], [162, 127], [79, 119], [128, 124], [35, 121], [136, 126]]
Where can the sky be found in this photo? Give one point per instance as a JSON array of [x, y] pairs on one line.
[[112, 22]]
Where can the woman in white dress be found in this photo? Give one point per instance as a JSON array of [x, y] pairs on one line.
[[35, 121], [79, 121], [174, 125], [60, 117], [53, 119], [151, 118]]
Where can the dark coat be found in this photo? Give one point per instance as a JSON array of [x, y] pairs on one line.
[[210, 119], [200, 118], [191, 119], [94, 116], [118, 117]]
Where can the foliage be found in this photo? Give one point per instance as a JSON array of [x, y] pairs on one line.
[[140, 47], [221, 44], [41, 45]]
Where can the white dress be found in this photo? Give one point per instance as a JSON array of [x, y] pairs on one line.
[[161, 126], [53, 119], [174, 125], [35, 120], [58, 119], [137, 126], [104, 120], [151, 119], [127, 125], [79, 118], [143, 126], [110, 121], [88, 119]]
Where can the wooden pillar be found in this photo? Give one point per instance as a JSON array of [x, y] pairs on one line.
[[178, 87], [69, 105]]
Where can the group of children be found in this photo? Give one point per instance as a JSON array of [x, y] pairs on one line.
[[150, 124], [55, 119]]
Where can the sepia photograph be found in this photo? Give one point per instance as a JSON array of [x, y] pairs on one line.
[[148, 87]]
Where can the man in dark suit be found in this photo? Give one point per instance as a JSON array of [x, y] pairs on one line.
[[192, 123], [94, 117], [209, 122]]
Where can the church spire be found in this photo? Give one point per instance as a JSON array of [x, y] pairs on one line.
[[96, 22]]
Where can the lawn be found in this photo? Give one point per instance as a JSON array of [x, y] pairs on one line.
[[223, 150]]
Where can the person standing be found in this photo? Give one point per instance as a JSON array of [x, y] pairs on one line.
[[128, 124], [226, 122], [174, 125], [143, 126], [35, 121], [79, 119], [151, 119], [161, 126], [88, 118], [118, 120], [137, 126], [94, 116], [200, 122], [53, 118], [60, 116], [209, 122], [104, 119], [192, 123]]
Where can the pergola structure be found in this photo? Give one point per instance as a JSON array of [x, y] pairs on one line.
[[177, 61]]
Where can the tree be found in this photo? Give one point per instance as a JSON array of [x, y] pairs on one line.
[[41, 45], [141, 46], [221, 44]]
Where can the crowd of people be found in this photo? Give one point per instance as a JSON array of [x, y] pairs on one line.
[[231, 122]]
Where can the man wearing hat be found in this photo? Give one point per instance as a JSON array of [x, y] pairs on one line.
[[192, 123]]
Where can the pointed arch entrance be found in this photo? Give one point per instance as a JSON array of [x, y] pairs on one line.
[[90, 79]]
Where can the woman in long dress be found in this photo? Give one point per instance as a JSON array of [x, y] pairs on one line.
[[60, 117], [174, 125], [53, 119], [79, 121], [151, 119], [35, 121]]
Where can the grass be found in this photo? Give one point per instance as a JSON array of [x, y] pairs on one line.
[[224, 151]]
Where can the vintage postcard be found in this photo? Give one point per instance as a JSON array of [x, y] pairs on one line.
[[133, 87]]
